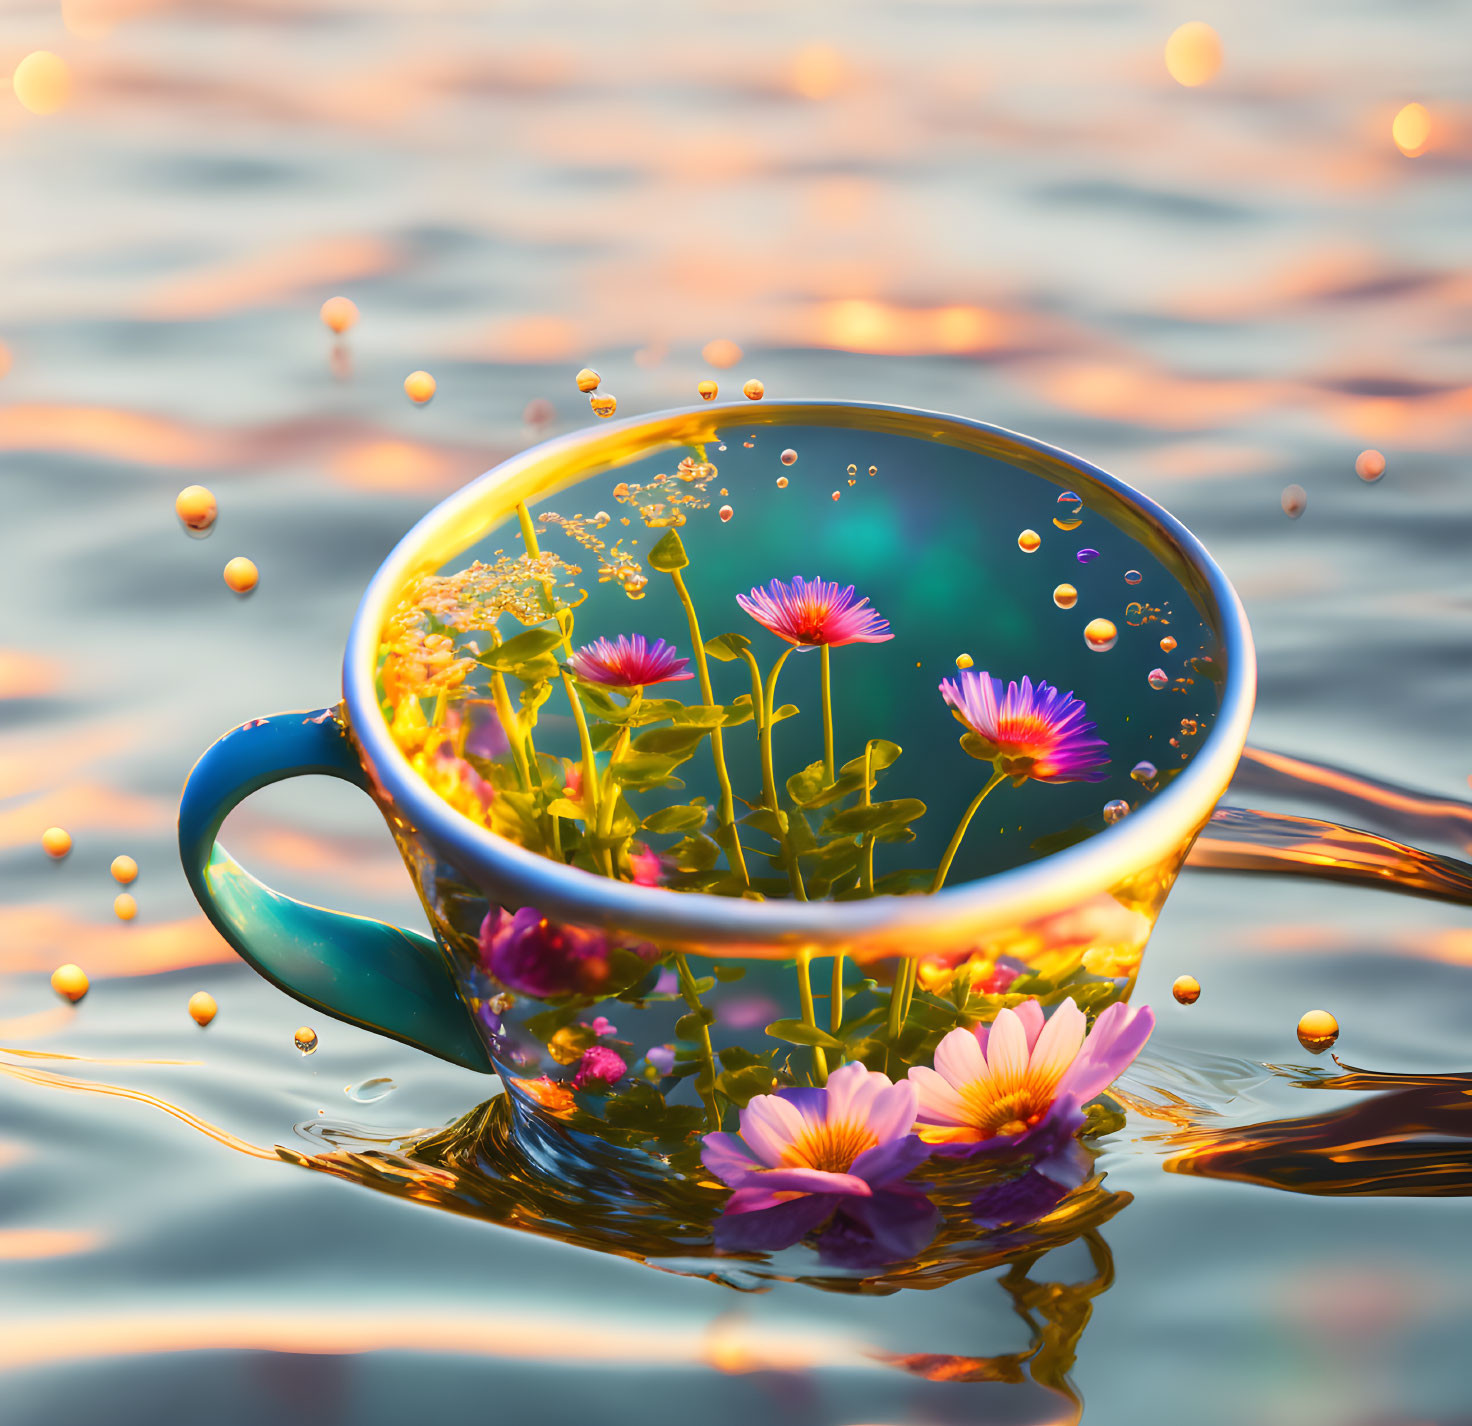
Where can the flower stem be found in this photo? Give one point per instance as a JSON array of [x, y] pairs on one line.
[[717, 742], [835, 1007], [829, 774], [869, 837], [809, 1016], [529, 543], [510, 727], [706, 1082], [955, 846], [769, 778]]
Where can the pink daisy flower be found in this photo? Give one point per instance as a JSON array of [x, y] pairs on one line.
[[1028, 731], [1021, 1083], [631, 662], [809, 613]]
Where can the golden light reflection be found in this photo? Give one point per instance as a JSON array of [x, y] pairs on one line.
[[817, 71], [860, 324], [394, 466], [1411, 130], [35, 938], [42, 82], [721, 353], [18, 1244], [1193, 54]]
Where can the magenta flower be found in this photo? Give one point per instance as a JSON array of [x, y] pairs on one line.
[[646, 867], [534, 956], [804, 1155], [599, 1068], [809, 613], [1029, 731], [1021, 1083], [631, 662]]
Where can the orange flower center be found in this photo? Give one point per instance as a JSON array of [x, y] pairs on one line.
[[831, 1147], [993, 1113]]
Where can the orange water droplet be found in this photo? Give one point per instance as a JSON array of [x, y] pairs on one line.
[[1186, 989], [789, 456], [1100, 635], [196, 507], [873, 470], [305, 1039], [124, 870], [1369, 465], [1065, 596], [603, 406], [42, 82], [726, 513], [587, 380], [241, 575], [124, 907], [964, 661], [1066, 525], [753, 390], [1028, 541], [1317, 1031], [419, 387], [202, 1007], [853, 482], [781, 482], [835, 495], [338, 314], [1116, 809], [70, 982], [1411, 130], [1193, 54], [1167, 644], [57, 841], [707, 390], [1294, 501]]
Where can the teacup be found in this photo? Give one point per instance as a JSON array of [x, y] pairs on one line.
[[1070, 921]]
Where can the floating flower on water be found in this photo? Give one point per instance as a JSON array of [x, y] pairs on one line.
[[809, 613], [1021, 1083], [631, 662], [1027, 731], [599, 1067], [532, 955], [804, 1155]]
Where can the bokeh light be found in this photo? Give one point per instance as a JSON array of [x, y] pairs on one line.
[[1193, 54], [42, 82], [1411, 130]]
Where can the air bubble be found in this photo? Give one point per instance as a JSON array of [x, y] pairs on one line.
[[1028, 541], [789, 456], [1295, 501], [1116, 809], [1065, 596], [1100, 635], [1132, 576], [306, 1037], [1143, 771], [1157, 678]]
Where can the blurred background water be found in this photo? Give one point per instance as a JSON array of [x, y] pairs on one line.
[[1013, 212]]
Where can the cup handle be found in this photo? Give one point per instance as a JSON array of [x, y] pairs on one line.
[[380, 977]]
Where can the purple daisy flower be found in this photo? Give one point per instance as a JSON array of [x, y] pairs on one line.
[[1028, 731], [1020, 1084], [809, 613], [630, 662], [804, 1155]]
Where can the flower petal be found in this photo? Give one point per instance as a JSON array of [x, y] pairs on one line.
[[1018, 1201], [1030, 1012], [770, 1229], [959, 1059], [1119, 1034], [1056, 1048], [892, 1110], [888, 1228], [727, 1158], [938, 1102], [1006, 1051], [805, 1180], [888, 1163], [770, 1125]]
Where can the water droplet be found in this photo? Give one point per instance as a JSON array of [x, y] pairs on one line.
[[1100, 635], [873, 470], [1186, 989], [1028, 541], [603, 405], [1065, 596], [588, 380], [835, 495], [70, 982], [1066, 525], [1167, 644], [1157, 678], [636, 585], [1188, 727], [1295, 501], [202, 1007], [57, 841], [124, 870], [1132, 576], [1143, 771], [789, 456], [708, 390], [1086, 556], [306, 1037], [419, 387], [1369, 465], [726, 513], [1134, 615], [853, 482], [1317, 1031], [1073, 500], [372, 1090], [853, 470], [124, 906], [338, 314], [964, 661], [196, 507], [781, 482], [753, 390], [1116, 809], [241, 575]]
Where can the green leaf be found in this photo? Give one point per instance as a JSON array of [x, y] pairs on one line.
[[727, 647], [974, 747], [877, 817], [741, 1086], [774, 824], [669, 554], [521, 649], [798, 1032], [688, 1027], [787, 710], [603, 736], [671, 742], [738, 711], [728, 974], [565, 807], [697, 852], [734, 1057], [884, 755], [600, 703], [644, 770], [688, 818], [804, 786], [698, 715]]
